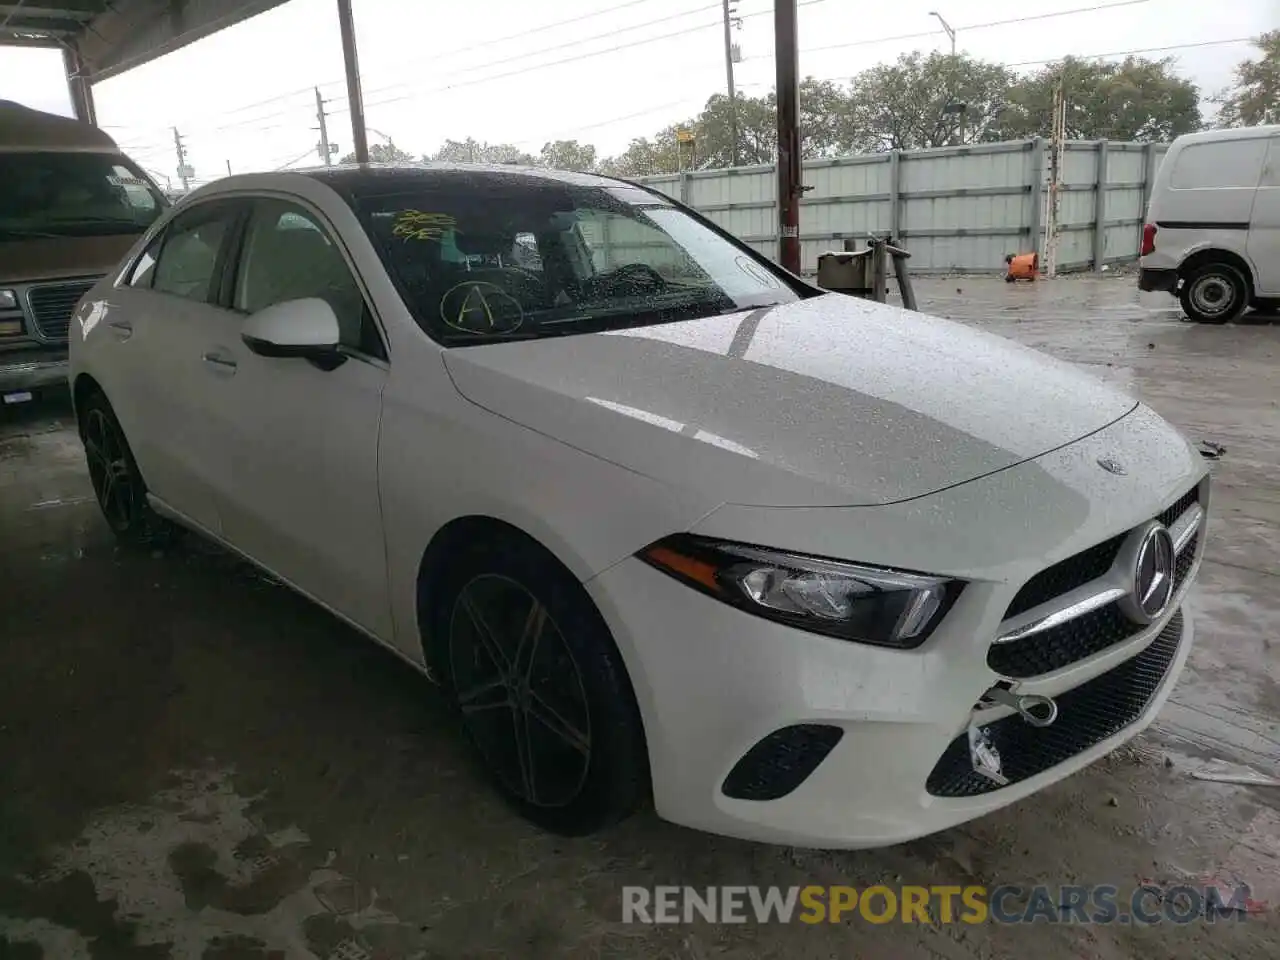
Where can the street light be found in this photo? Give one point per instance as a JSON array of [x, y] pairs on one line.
[[947, 27]]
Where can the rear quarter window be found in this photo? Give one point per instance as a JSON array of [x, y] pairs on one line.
[[1223, 165]]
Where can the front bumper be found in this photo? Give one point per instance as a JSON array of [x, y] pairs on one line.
[[712, 681], [729, 679], [32, 374], [1157, 280]]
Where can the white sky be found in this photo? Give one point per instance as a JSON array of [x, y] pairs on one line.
[[434, 69]]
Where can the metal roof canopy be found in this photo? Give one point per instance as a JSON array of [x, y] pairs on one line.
[[102, 38]]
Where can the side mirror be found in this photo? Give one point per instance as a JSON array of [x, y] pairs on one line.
[[306, 328]]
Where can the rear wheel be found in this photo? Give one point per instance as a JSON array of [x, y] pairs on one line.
[[1214, 293], [539, 686], [117, 483]]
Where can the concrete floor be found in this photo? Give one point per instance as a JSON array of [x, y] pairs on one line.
[[196, 763]]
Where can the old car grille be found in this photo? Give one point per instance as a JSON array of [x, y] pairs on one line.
[[1092, 632], [1087, 715], [52, 305]]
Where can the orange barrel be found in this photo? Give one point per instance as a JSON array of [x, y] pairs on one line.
[[1022, 266]]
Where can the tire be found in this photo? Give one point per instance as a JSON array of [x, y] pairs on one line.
[[117, 483], [538, 686], [1214, 293]]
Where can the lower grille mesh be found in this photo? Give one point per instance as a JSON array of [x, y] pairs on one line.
[[1087, 715], [780, 762]]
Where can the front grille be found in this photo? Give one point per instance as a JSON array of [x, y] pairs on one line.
[[1180, 507], [1066, 575], [1185, 561], [1076, 571], [1087, 715], [52, 305], [1062, 645], [780, 762]]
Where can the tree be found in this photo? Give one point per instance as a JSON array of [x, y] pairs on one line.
[[1137, 99], [902, 106], [569, 155], [644, 157], [1255, 100], [382, 153], [471, 150]]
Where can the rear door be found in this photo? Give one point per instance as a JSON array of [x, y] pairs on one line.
[[1264, 226], [156, 323]]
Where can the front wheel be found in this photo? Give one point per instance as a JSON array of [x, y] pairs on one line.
[[1214, 293], [539, 685], [117, 483]]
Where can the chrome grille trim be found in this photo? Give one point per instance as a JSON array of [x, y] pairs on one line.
[[1098, 593]]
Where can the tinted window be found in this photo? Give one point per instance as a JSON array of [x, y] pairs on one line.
[[74, 194], [289, 256], [497, 257], [189, 254]]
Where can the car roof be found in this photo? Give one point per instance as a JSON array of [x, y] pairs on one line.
[[374, 178], [1228, 133], [23, 130]]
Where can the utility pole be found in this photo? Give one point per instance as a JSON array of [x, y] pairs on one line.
[[790, 188], [228, 168], [323, 146], [347, 27], [729, 11], [184, 172], [947, 27]]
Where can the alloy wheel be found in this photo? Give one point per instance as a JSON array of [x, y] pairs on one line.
[[110, 470], [519, 690]]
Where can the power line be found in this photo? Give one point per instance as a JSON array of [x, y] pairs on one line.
[[305, 153], [973, 26], [1129, 53]]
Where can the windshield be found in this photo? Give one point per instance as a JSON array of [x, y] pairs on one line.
[[73, 195], [536, 258]]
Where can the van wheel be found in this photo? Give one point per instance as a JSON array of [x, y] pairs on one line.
[[1214, 293]]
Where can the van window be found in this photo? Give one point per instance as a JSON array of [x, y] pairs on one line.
[[74, 195], [1225, 164]]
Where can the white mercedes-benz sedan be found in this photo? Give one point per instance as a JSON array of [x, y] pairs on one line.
[[660, 518]]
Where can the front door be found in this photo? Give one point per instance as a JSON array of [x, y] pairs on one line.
[[299, 491]]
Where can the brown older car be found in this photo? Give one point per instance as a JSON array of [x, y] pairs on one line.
[[71, 205]]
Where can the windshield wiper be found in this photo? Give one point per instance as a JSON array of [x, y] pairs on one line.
[[7, 233]]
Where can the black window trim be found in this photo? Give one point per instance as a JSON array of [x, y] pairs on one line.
[[232, 269]]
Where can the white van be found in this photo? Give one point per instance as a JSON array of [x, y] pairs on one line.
[[1212, 236]]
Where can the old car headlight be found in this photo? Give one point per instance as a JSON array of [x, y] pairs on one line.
[[8, 299], [890, 608]]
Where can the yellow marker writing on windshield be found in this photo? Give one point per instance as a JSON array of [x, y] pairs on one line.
[[417, 225]]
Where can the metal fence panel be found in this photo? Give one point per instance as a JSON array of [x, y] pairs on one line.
[[957, 209]]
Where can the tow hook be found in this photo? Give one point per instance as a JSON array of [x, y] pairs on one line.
[[1034, 708]]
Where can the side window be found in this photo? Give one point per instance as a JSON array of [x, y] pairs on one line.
[[189, 255], [144, 268], [287, 255]]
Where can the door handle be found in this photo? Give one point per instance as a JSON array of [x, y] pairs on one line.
[[220, 361], [122, 329]]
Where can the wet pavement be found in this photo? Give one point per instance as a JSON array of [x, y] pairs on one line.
[[195, 763]]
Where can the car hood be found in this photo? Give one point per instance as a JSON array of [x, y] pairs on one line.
[[827, 401], [50, 258]]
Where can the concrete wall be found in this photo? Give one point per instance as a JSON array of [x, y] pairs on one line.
[[957, 209]]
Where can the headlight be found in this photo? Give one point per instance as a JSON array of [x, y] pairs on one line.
[[889, 608], [8, 299]]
